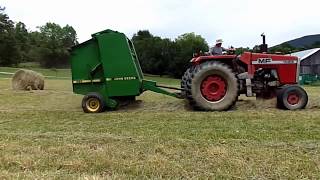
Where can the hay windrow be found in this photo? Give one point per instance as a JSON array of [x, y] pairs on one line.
[[314, 103], [27, 80], [170, 105], [253, 103]]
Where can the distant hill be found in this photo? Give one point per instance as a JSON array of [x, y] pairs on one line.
[[305, 41]]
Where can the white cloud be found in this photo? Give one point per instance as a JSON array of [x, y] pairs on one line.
[[238, 22]]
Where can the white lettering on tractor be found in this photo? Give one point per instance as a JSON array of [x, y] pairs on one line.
[[264, 60], [270, 61]]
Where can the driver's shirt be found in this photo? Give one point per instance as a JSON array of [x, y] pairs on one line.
[[217, 50]]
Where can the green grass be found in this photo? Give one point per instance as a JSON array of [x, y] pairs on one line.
[[45, 135]]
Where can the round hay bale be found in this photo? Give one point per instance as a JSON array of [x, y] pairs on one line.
[[27, 80]]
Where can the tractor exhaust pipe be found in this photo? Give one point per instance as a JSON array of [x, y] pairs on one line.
[[263, 38], [263, 46]]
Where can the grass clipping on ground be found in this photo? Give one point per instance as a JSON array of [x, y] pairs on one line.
[[45, 135], [27, 80]]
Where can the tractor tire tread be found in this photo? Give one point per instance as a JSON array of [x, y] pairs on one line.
[[204, 67]]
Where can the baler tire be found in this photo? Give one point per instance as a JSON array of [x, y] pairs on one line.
[[299, 99], [93, 103], [215, 69]]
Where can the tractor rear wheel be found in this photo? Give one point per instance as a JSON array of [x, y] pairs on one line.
[[93, 103], [214, 87], [292, 97], [186, 81]]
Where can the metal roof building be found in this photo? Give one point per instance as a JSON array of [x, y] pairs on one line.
[[309, 61], [309, 65]]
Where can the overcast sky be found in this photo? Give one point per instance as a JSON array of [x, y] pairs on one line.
[[237, 22]]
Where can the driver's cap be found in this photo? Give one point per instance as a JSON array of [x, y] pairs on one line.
[[219, 41]]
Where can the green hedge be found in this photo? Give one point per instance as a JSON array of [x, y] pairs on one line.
[[309, 79]]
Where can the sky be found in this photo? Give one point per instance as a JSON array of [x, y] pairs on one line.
[[238, 22]]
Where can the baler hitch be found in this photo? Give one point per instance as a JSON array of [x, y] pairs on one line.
[[152, 86]]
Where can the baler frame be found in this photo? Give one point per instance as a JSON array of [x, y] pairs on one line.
[[106, 67]]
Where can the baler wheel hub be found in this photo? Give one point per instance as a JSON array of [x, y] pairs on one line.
[[213, 88], [93, 104]]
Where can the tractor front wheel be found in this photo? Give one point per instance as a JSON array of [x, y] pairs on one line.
[[292, 97], [93, 103]]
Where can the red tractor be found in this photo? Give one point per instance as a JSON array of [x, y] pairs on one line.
[[213, 83]]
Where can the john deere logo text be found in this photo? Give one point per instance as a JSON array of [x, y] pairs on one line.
[[121, 78]]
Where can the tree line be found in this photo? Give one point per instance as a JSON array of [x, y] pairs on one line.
[[164, 56], [48, 45], [286, 48]]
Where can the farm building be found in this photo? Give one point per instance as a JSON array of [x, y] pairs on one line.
[[309, 65]]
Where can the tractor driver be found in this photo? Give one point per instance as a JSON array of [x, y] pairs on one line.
[[217, 49]]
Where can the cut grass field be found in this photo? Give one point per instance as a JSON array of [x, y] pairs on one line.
[[45, 135]]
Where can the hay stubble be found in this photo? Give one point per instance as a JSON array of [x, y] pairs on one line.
[[45, 135]]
